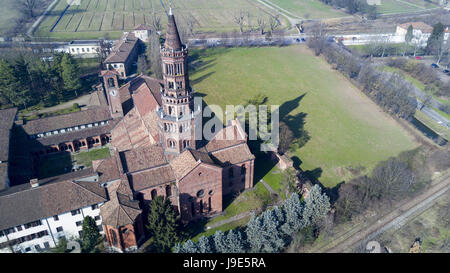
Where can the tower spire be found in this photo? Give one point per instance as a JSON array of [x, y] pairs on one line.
[[173, 41]]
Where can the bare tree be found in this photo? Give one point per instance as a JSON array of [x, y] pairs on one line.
[[190, 23], [261, 24], [239, 19], [29, 6], [249, 20], [274, 22]]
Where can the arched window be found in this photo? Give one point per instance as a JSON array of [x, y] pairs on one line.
[[113, 237], [209, 203], [111, 82], [193, 208], [243, 169], [153, 194], [168, 191], [201, 206]]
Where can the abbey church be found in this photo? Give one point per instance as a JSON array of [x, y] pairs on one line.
[[149, 126]]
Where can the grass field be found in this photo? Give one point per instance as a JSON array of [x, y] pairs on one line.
[[402, 6], [8, 13], [95, 18], [346, 128], [309, 9]]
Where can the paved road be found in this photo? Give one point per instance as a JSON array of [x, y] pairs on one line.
[[436, 117], [397, 217]]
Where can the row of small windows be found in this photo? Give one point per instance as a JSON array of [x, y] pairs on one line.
[[66, 130], [168, 189], [39, 222], [83, 50], [27, 238], [172, 143], [174, 69], [177, 101], [178, 85], [169, 127]]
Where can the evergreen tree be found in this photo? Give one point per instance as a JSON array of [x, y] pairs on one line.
[[188, 247], [220, 242], [70, 73], [289, 181], [436, 39], [163, 225], [263, 233], [235, 242], [10, 85], [293, 209], [317, 206], [90, 235], [409, 34], [205, 245]]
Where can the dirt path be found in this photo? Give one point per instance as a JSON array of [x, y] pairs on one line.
[[231, 219], [396, 218]]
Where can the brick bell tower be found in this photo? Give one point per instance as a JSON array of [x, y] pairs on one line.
[[177, 116]]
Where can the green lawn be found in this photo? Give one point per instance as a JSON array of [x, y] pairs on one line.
[[86, 158], [346, 128], [396, 6], [8, 12]]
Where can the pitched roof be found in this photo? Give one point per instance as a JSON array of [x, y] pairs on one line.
[[23, 204], [107, 170], [173, 41], [142, 27], [418, 25], [121, 210], [141, 158], [152, 177], [227, 137], [67, 120], [74, 135], [3, 175], [232, 155], [187, 161], [7, 117], [122, 50]]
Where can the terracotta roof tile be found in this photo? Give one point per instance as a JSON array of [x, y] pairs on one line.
[[142, 158]]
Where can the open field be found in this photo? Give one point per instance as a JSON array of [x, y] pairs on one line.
[[346, 128], [403, 6], [95, 18], [8, 12], [309, 9]]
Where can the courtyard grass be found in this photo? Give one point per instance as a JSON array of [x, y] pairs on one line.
[[346, 128], [61, 163], [86, 158]]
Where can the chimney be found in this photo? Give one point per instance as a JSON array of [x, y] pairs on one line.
[[34, 182]]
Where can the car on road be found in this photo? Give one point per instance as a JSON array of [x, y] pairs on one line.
[[434, 65], [418, 58], [297, 40], [303, 40], [446, 71]]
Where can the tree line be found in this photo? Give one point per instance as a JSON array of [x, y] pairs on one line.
[[25, 81], [269, 232], [390, 181], [389, 90]]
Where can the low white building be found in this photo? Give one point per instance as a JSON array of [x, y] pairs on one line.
[[84, 48], [35, 216], [142, 32], [421, 33]]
